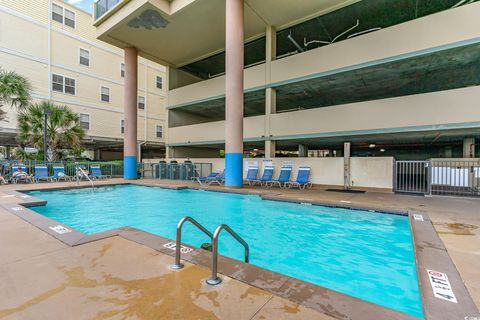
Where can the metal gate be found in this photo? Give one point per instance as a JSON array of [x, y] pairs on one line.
[[455, 177], [444, 177], [412, 177]]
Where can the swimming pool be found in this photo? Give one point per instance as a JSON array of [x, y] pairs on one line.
[[368, 255]]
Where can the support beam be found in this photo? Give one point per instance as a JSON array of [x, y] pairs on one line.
[[130, 114], [302, 151], [234, 61], [270, 147], [469, 147], [346, 166], [270, 93]]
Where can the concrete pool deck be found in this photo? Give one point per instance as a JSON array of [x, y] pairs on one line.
[[117, 278]]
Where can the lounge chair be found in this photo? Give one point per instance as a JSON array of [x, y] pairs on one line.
[[303, 179], [251, 175], [41, 173], [207, 179], [219, 179], [96, 173], [283, 178], [20, 177], [59, 174], [266, 176]]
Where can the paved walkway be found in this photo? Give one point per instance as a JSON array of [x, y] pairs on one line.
[[114, 278], [41, 278]]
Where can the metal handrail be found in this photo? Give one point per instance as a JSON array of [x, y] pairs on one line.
[[214, 279], [178, 241], [85, 175]]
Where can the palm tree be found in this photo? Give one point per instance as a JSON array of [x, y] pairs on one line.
[[64, 130], [14, 90]]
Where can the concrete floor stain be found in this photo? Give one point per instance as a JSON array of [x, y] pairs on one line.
[[75, 279], [462, 229], [167, 297]]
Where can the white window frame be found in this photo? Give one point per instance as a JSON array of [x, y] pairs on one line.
[[74, 18], [122, 126], [80, 57], [101, 94], [89, 120], [122, 70], [161, 82], [156, 131], [53, 12], [144, 102], [63, 15], [64, 77]]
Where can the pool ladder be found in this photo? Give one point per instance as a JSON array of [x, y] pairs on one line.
[[85, 175], [214, 279]]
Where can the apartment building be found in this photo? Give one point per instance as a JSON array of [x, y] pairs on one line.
[[388, 78], [54, 45]]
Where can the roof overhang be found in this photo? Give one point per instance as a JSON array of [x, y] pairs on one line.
[[178, 32]]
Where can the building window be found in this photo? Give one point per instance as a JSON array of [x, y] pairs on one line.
[[69, 85], [159, 131], [57, 13], [141, 102], [63, 84], [85, 121], [62, 15], [159, 82], [122, 70], [69, 18], [105, 94], [122, 126], [84, 57], [57, 83]]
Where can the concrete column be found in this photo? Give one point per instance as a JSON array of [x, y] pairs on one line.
[[302, 151], [469, 147], [270, 93], [234, 61], [7, 152], [346, 166], [270, 147], [130, 114]]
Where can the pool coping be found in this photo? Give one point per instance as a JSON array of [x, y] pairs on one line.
[[430, 254]]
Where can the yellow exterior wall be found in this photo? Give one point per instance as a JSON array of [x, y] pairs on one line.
[[24, 48]]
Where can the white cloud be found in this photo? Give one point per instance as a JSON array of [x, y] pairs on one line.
[[74, 1]]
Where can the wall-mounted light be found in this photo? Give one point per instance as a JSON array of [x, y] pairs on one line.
[[372, 145], [382, 150]]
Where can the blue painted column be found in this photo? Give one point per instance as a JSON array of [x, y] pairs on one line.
[[234, 61], [130, 114]]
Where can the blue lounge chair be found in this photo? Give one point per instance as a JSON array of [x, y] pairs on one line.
[[251, 175], [283, 178], [219, 179], [207, 179], [266, 176], [41, 173], [59, 174], [20, 177], [303, 179], [96, 173]]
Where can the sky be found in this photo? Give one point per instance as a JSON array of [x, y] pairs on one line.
[[84, 4]]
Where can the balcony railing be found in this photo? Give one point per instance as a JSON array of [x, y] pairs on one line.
[[103, 6]]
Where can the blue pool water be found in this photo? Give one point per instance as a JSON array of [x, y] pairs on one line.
[[365, 254]]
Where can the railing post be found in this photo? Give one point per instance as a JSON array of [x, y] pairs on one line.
[[214, 279], [178, 242]]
